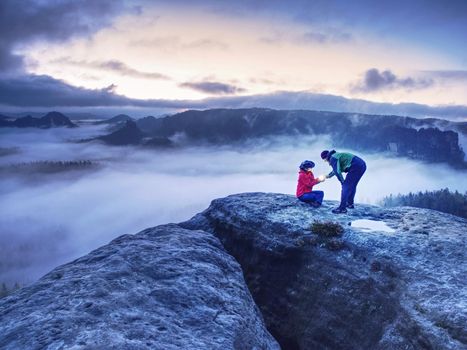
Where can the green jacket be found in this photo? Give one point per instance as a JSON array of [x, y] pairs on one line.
[[340, 163]]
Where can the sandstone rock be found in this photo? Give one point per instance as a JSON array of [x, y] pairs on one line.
[[365, 290], [163, 288], [177, 287]]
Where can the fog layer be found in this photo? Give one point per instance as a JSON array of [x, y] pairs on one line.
[[50, 219]]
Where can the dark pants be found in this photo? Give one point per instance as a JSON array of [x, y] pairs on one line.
[[349, 187], [312, 197]]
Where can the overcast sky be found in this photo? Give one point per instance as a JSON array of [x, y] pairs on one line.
[[168, 53]]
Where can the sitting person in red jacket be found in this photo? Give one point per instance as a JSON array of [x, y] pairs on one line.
[[306, 181]]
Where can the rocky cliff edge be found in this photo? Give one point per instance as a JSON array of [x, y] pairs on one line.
[[252, 265]]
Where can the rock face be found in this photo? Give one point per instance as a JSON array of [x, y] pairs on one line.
[[178, 286], [56, 119], [163, 288], [364, 290], [147, 123], [128, 134]]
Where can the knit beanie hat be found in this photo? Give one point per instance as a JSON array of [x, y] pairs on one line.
[[324, 154], [306, 164]]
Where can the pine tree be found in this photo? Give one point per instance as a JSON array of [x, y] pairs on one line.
[[442, 200]]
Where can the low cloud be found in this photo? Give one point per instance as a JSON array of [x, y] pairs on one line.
[[115, 66], [375, 80], [335, 103], [49, 220], [212, 87]]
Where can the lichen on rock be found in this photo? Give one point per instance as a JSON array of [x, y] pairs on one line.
[[364, 290], [248, 273], [163, 288]]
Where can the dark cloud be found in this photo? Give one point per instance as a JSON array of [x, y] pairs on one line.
[[124, 69], [26, 21], [212, 87], [115, 66], [374, 80], [8, 60], [44, 91]]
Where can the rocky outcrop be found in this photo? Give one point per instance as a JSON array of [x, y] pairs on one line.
[[121, 118], [363, 290], [178, 286], [431, 140], [149, 124], [50, 120], [163, 288], [127, 134]]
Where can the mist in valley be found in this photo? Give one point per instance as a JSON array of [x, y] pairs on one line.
[[50, 219]]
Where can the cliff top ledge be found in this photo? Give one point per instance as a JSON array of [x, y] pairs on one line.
[[250, 273]]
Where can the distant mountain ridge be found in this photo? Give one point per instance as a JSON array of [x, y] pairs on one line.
[[128, 134], [433, 140], [50, 120], [121, 118]]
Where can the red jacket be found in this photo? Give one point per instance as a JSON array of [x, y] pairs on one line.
[[306, 181]]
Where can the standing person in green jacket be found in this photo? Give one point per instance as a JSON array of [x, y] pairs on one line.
[[345, 163]]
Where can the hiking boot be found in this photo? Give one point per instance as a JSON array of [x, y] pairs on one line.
[[339, 211], [350, 206]]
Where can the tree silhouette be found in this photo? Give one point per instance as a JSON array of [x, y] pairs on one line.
[[442, 200]]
